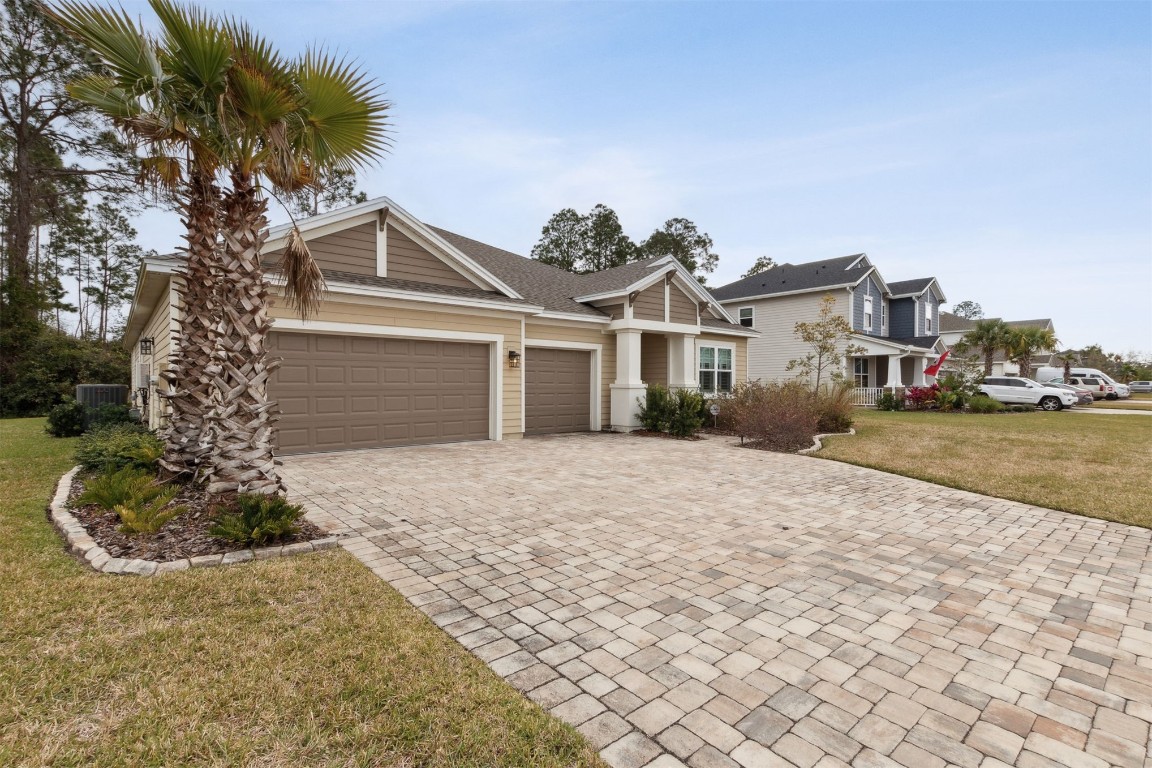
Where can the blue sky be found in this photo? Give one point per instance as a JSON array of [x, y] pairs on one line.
[[1005, 148]]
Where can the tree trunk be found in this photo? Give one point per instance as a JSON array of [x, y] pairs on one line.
[[241, 424], [989, 354], [190, 385]]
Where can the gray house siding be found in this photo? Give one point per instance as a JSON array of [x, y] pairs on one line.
[[902, 318], [867, 287], [921, 330]]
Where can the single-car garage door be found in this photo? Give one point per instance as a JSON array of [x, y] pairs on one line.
[[345, 392], [558, 390]]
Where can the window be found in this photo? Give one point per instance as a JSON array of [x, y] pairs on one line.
[[746, 316], [927, 318], [860, 371], [884, 318], [867, 313], [715, 369]]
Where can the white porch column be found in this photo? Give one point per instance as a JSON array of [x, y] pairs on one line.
[[628, 387], [894, 371], [918, 364], [682, 361]]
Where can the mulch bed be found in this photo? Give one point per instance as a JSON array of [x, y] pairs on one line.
[[183, 536], [665, 435]]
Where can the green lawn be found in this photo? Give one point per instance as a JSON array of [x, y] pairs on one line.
[[302, 661], [1099, 466]]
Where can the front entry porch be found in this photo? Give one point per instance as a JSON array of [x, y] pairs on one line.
[[890, 371]]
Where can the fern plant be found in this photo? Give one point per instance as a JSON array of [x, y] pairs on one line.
[[124, 487], [139, 516], [256, 519]]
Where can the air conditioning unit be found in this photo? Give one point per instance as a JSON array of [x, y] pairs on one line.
[[96, 395]]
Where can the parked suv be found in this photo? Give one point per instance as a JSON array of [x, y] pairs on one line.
[[1018, 391], [1140, 386], [1099, 388]]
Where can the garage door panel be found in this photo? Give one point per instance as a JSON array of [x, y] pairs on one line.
[[558, 390], [339, 393]]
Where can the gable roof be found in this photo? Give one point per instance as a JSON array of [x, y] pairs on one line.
[[950, 323], [795, 278]]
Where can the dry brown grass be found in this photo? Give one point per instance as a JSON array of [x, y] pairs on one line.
[[1095, 466], [303, 661], [1135, 403]]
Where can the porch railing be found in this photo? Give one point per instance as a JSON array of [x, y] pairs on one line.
[[867, 396]]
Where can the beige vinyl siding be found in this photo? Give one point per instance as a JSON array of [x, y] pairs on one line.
[[159, 328], [681, 309], [739, 359], [649, 304], [385, 312], [654, 358], [409, 261], [584, 333], [349, 250], [615, 311], [769, 353]]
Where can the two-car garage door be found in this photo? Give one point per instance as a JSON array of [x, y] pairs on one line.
[[346, 392]]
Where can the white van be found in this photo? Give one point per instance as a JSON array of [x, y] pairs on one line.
[[1046, 373]]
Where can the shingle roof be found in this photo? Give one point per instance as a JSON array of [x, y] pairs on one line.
[[541, 284], [616, 278], [787, 278], [902, 287], [924, 342], [953, 323], [712, 322]]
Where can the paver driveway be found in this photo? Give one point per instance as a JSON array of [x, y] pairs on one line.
[[695, 603]]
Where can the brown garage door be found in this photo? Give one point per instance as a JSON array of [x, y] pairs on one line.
[[558, 384], [344, 392]]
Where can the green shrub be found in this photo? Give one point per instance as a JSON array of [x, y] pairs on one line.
[[124, 486], [657, 408], [685, 420], [984, 404], [949, 400], [108, 414], [889, 401], [68, 419], [256, 519], [141, 516], [117, 446], [834, 404]]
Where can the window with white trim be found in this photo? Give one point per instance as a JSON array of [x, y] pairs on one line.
[[715, 369], [868, 313], [927, 318], [883, 318], [747, 316], [860, 371]]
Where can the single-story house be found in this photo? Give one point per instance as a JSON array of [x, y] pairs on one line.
[[427, 336]]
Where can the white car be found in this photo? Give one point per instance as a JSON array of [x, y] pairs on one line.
[[1015, 390]]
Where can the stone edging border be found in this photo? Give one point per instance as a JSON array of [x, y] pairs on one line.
[[97, 558], [817, 445]]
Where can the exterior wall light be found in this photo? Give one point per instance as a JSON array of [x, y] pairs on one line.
[[513, 359], [146, 345]]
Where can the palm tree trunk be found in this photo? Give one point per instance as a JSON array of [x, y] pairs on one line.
[[989, 354], [241, 423], [190, 386]]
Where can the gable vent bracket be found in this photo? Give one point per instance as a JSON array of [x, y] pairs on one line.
[[632, 297], [382, 220]]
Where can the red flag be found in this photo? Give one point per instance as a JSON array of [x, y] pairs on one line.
[[933, 369]]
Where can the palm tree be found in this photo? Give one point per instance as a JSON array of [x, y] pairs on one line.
[[1068, 358], [988, 336], [1024, 343], [165, 94], [286, 122], [211, 96]]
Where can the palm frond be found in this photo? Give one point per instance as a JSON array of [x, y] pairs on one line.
[[197, 49], [304, 286], [343, 116], [126, 51]]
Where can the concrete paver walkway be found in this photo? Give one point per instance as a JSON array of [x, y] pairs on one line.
[[692, 603]]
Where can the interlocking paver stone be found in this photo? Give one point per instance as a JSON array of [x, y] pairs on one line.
[[696, 603]]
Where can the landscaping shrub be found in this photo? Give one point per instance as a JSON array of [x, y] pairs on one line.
[[140, 516], [949, 400], [117, 446], [777, 416], [109, 414], [657, 408], [112, 489], [256, 519], [834, 405], [68, 419], [919, 398], [984, 404], [889, 401], [685, 420]]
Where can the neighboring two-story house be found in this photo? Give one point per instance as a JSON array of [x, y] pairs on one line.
[[953, 327], [896, 324]]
